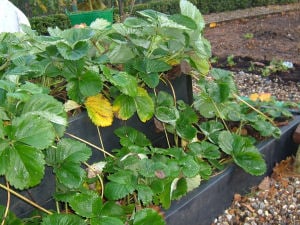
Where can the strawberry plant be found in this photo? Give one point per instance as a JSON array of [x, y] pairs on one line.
[[113, 72]]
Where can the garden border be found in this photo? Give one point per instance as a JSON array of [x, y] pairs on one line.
[[211, 198]]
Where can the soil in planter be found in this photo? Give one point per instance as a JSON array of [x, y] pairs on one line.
[[276, 200], [268, 69], [270, 37], [260, 40], [258, 76]]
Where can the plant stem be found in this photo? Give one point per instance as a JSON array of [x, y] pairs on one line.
[[25, 199], [172, 89], [90, 144], [100, 139], [220, 115], [7, 206], [166, 134], [256, 110], [100, 178]]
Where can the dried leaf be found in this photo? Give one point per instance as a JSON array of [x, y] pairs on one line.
[[212, 25], [99, 110], [237, 197], [265, 184]]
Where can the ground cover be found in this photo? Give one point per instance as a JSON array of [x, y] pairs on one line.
[[268, 37], [259, 46]]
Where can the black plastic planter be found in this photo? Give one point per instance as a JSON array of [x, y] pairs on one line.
[[205, 203], [81, 126]]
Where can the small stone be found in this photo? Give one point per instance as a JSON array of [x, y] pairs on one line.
[[229, 217]]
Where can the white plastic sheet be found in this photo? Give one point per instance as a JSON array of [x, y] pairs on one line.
[[11, 17]]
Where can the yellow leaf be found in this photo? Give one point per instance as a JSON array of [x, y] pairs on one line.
[[265, 97], [212, 25], [99, 110], [254, 97]]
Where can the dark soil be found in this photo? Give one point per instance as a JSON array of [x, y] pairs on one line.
[[263, 39]]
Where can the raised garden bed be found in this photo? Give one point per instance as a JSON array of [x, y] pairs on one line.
[[208, 201]]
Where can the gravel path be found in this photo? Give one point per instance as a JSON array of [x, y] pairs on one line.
[[276, 201], [283, 90], [249, 12]]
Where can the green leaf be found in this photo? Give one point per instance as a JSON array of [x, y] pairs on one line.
[[33, 130], [11, 218], [126, 83], [184, 20], [211, 126], [72, 36], [190, 167], [189, 10], [205, 170], [205, 106], [226, 142], [266, 129], [164, 99], [70, 174], [166, 114], [211, 129], [148, 217], [112, 209], [23, 165], [2, 132], [244, 153], [157, 186], [68, 150], [205, 149], [135, 22], [219, 92], [63, 219], [232, 111], [130, 136], [151, 66], [145, 194], [122, 177], [144, 105], [250, 160], [122, 183], [78, 51], [124, 107], [106, 220], [49, 108], [184, 128], [86, 204], [84, 85], [66, 159], [180, 189], [150, 168], [120, 54], [89, 83], [116, 191], [200, 63], [151, 79]]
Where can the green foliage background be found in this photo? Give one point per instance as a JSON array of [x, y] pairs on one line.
[[51, 13]]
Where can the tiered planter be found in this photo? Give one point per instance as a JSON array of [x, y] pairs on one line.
[[201, 205], [81, 126]]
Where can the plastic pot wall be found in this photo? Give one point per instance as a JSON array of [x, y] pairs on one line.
[[207, 202]]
